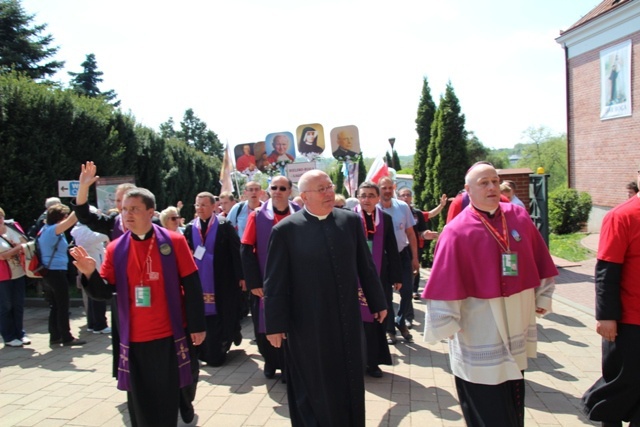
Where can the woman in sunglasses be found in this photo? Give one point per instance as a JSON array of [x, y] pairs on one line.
[[171, 219]]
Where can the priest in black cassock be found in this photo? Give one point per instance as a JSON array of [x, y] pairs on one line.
[[314, 261]]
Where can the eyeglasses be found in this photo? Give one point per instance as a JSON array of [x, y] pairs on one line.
[[321, 190], [403, 195], [252, 189], [281, 188], [175, 218], [367, 196]]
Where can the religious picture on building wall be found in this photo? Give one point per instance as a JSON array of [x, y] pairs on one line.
[[345, 142], [615, 81], [245, 158], [310, 140]]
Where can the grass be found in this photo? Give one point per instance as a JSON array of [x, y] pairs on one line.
[[567, 246]]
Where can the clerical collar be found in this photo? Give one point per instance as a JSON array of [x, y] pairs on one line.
[[205, 222], [143, 236], [280, 212], [490, 214], [320, 217]]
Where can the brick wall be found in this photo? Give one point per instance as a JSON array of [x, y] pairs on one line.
[[521, 178], [603, 154]]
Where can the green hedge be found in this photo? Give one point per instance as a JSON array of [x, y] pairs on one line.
[[568, 210]]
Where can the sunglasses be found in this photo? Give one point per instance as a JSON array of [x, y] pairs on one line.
[[281, 188], [175, 218]]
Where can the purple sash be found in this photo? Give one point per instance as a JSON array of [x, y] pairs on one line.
[[117, 230], [376, 251], [264, 224], [205, 265], [174, 302]]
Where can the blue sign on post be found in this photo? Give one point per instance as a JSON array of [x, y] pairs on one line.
[[68, 188]]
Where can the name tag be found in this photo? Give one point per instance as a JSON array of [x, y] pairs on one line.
[[510, 264], [199, 253], [143, 296]]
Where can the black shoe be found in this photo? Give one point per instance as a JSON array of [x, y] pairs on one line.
[[391, 338], [375, 372], [74, 342], [283, 377], [269, 371], [409, 324], [404, 331], [55, 342], [416, 296], [187, 415], [237, 339]]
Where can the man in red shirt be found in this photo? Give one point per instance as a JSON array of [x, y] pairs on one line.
[[254, 254], [160, 313], [615, 397]]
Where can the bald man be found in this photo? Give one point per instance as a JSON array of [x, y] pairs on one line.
[[492, 274]]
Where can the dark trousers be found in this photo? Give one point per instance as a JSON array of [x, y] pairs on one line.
[[615, 396], [57, 284], [405, 310], [96, 314], [492, 405], [12, 308], [155, 397], [274, 357]]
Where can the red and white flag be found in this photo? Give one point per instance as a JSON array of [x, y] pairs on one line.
[[377, 170]]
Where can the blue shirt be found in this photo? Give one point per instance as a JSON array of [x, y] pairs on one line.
[[402, 221], [47, 241]]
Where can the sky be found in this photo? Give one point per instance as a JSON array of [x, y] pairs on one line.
[[253, 67]]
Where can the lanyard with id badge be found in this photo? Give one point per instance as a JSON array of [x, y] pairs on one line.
[[509, 260], [142, 291]]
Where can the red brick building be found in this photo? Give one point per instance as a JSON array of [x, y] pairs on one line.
[[602, 53]]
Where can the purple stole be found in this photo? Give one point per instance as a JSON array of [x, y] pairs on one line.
[[377, 249], [205, 265], [118, 229], [264, 224], [174, 302]]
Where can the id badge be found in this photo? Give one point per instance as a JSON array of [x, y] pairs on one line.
[[143, 296], [509, 264], [199, 253], [370, 244]]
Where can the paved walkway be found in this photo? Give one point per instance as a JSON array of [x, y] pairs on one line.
[[43, 386]]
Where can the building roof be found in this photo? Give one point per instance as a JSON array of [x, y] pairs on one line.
[[601, 9]]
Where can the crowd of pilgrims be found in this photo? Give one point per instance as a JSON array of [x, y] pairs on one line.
[[230, 264]]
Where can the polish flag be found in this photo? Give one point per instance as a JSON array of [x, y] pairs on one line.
[[377, 170]]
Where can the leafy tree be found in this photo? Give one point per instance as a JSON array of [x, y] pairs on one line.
[[194, 131], [86, 82], [424, 120], [548, 151], [22, 46], [167, 129], [476, 151]]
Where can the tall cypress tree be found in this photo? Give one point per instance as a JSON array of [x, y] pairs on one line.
[[424, 120], [448, 162]]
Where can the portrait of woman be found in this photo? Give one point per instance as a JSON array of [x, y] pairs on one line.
[[308, 141]]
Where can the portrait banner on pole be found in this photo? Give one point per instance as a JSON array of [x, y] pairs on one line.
[[615, 81]]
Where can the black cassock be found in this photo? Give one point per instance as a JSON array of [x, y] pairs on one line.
[[311, 294]]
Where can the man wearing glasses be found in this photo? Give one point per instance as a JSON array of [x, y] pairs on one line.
[[216, 250], [254, 257], [315, 260]]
